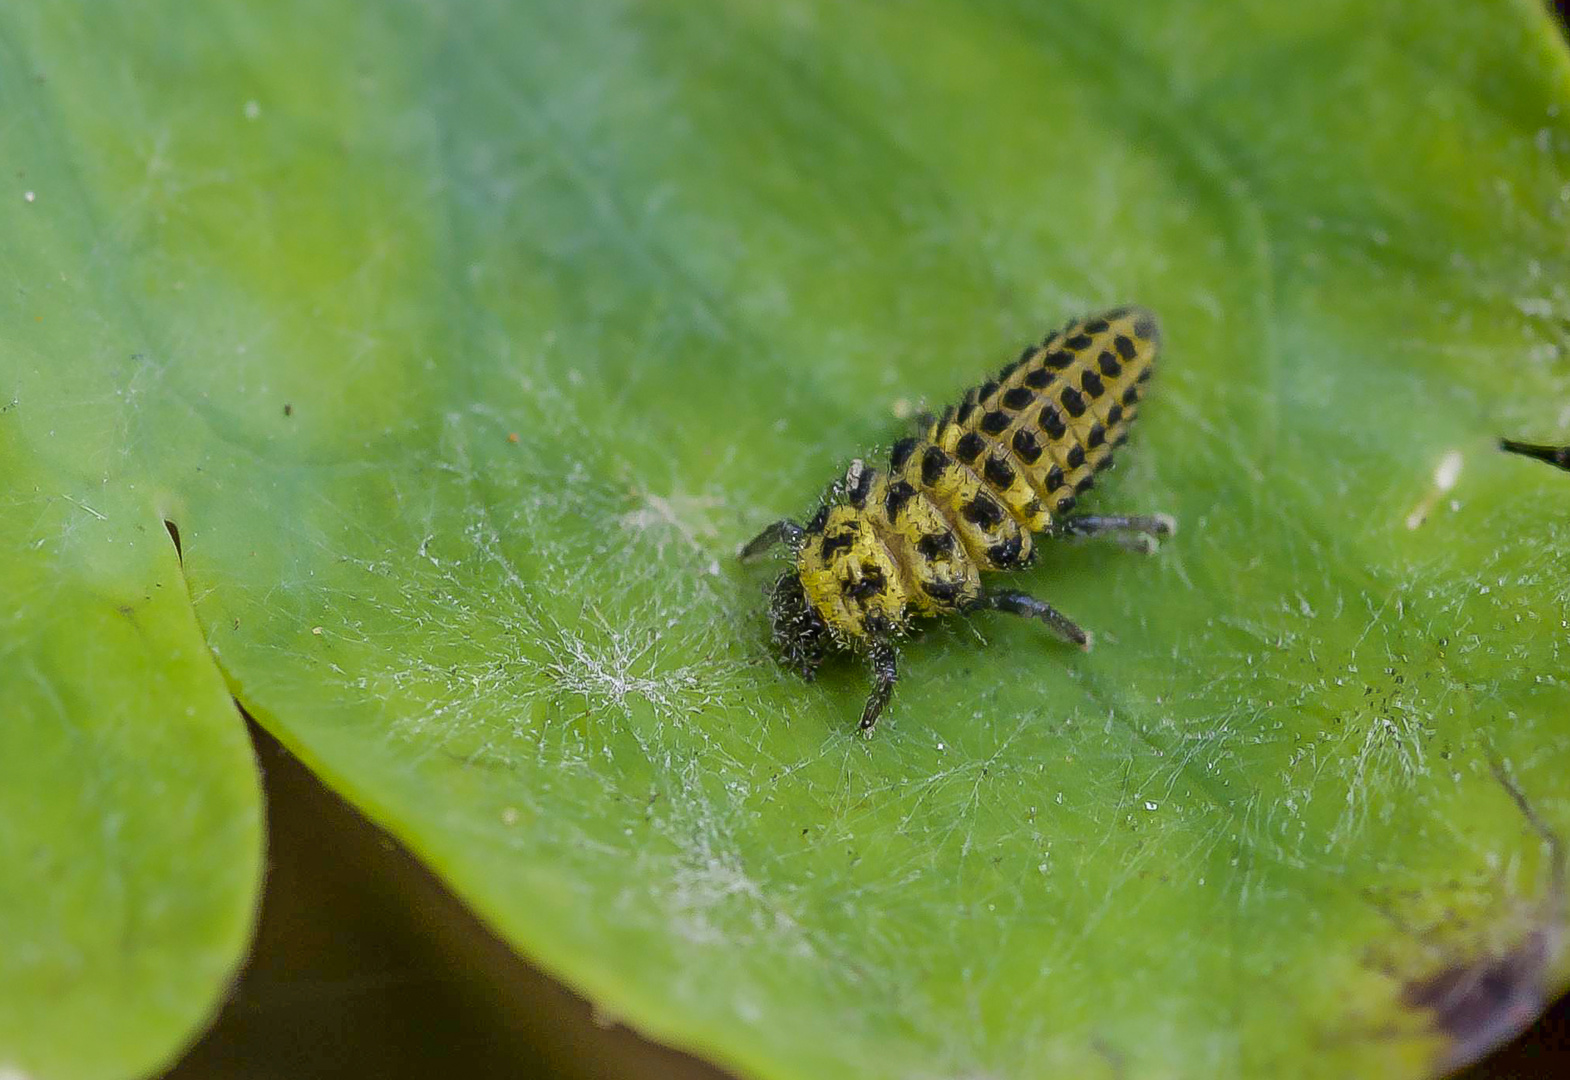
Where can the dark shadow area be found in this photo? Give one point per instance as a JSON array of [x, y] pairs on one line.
[[174, 534], [1541, 1052], [365, 965]]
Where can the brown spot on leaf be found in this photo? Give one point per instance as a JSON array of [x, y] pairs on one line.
[[1483, 1002]]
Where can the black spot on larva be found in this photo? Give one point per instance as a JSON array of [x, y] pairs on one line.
[[1114, 414], [970, 446], [1006, 552], [935, 545], [943, 421], [1051, 422], [900, 493], [966, 407], [1109, 365], [944, 592], [933, 462], [836, 541], [1085, 484], [1076, 457], [1091, 383], [1120, 440], [994, 422], [999, 473], [1103, 463], [1096, 326], [1078, 343], [1096, 436], [1131, 395], [1018, 398], [984, 510], [1026, 446], [1038, 378], [1067, 503], [1053, 480], [1033, 508], [820, 519], [871, 584], [1145, 327], [986, 390], [858, 490], [1058, 359], [901, 453], [1126, 348], [1072, 401]]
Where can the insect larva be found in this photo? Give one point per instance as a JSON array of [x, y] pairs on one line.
[[966, 496]]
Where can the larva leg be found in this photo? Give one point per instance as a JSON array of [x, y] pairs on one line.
[[1018, 603], [781, 532], [1138, 532], [885, 672]]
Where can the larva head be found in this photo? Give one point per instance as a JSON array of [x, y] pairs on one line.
[[802, 636]]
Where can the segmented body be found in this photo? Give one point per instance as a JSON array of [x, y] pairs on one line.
[[967, 495]]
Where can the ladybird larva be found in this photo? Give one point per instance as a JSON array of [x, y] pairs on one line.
[[964, 497]]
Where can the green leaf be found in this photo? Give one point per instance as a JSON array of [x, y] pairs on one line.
[[464, 343], [130, 820]]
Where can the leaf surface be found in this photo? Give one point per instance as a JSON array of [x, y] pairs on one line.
[[464, 343]]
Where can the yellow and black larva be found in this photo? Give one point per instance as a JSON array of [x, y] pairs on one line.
[[965, 496]]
